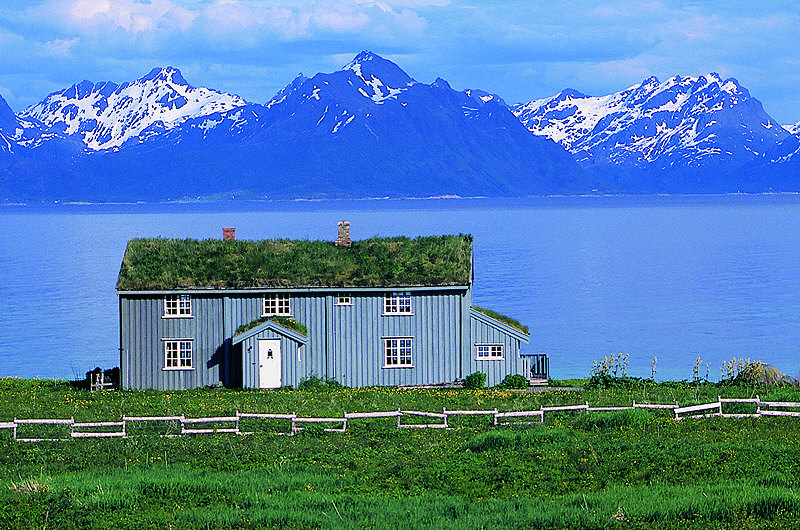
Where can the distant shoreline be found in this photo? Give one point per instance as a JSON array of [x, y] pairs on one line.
[[446, 197]]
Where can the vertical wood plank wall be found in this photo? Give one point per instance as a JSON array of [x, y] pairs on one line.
[[344, 342], [495, 369]]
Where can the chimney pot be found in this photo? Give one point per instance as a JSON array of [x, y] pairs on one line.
[[228, 234], [343, 239]]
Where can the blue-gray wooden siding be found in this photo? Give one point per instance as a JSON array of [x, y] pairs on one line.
[[142, 349], [495, 369], [344, 342], [357, 333]]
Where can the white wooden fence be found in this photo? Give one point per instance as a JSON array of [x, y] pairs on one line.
[[429, 420]]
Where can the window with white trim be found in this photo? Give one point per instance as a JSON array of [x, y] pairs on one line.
[[397, 352], [344, 299], [276, 304], [486, 352], [178, 354], [178, 305], [397, 303]]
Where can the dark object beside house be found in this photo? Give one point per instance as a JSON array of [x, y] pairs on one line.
[[265, 314], [539, 364], [99, 379]]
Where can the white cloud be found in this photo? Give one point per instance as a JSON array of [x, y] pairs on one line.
[[518, 48], [286, 18], [131, 16], [59, 48], [339, 19]]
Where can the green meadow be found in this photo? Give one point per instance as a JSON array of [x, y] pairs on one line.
[[626, 469]]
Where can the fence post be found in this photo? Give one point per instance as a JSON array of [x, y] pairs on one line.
[[758, 406], [398, 418], [444, 413]]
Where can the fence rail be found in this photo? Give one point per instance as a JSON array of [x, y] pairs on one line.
[[232, 424]]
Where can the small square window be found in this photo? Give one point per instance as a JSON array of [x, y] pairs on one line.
[[397, 352], [178, 305], [485, 352], [344, 299], [397, 303], [276, 304], [178, 355]]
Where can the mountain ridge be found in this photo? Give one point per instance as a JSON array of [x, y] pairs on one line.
[[365, 130], [105, 115], [370, 130]]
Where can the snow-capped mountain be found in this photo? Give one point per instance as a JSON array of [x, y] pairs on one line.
[[683, 122], [371, 130], [105, 115], [367, 130], [20, 133], [8, 128]]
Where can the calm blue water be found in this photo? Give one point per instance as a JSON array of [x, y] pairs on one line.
[[674, 277]]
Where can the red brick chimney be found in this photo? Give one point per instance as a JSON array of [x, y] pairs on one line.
[[228, 234], [344, 234]]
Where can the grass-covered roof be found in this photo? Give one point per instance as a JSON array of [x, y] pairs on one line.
[[161, 264]]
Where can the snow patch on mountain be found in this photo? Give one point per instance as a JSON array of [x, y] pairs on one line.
[[371, 70], [106, 115], [18, 132], [279, 98], [793, 129], [483, 97]]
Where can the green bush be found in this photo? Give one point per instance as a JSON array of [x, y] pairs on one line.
[[514, 381], [314, 384], [609, 381], [475, 381]]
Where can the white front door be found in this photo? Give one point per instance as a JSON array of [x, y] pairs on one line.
[[269, 363]]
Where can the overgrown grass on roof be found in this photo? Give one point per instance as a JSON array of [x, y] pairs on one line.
[[502, 318], [157, 264], [286, 322]]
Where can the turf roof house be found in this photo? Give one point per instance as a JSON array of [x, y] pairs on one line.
[[265, 314]]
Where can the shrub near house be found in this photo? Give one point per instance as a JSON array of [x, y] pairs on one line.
[[265, 314]]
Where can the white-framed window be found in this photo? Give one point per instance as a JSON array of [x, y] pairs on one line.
[[397, 303], [488, 352], [178, 305], [344, 299], [397, 352], [178, 354], [276, 304]]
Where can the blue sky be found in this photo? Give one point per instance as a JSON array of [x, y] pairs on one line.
[[521, 50]]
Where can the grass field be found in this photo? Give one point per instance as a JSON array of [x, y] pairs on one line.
[[629, 469]]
